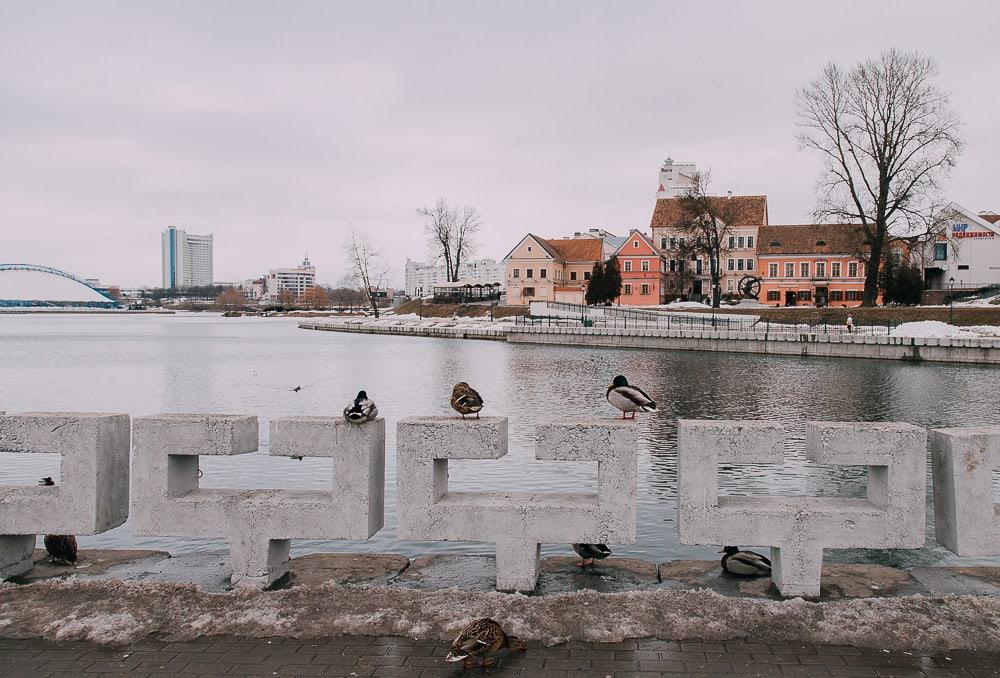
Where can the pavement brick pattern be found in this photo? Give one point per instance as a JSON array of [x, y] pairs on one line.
[[391, 656]]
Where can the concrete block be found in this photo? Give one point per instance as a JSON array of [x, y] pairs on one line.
[[798, 528], [259, 524], [963, 460], [92, 494], [517, 522]]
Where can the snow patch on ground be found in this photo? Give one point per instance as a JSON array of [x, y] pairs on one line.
[[118, 612], [932, 329]]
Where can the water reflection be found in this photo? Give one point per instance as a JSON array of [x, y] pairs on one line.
[[142, 365]]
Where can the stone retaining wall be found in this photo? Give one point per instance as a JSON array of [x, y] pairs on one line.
[[464, 332]]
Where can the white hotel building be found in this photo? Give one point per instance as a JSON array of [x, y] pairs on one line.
[[421, 278], [187, 258], [295, 280]]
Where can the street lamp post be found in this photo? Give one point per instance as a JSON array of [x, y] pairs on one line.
[[951, 301]]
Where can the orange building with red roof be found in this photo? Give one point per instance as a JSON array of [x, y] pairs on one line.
[[551, 270]]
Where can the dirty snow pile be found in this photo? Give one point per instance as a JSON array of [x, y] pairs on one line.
[[118, 612], [940, 330]]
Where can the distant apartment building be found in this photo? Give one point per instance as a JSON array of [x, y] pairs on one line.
[[966, 252], [551, 270], [689, 274], [811, 265], [420, 279], [295, 280], [187, 258], [643, 269]]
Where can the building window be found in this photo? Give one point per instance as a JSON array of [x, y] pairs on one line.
[[586, 275], [804, 295], [542, 273], [940, 251], [529, 248], [517, 273], [773, 295], [731, 265], [644, 288], [835, 269], [853, 295], [789, 270], [732, 242], [673, 243], [739, 264], [836, 295], [820, 269], [628, 266], [628, 289], [644, 265], [804, 269], [697, 267], [772, 270], [749, 264], [681, 243], [531, 273], [572, 275], [750, 241], [663, 243], [729, 285], [742, 242], [635, 244], [673, 265], [528, 291], [852, 269], [963, 267]]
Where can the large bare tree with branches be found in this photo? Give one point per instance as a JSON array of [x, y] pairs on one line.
[[366, 266], [887, 136], [451, 233], [707, 221]]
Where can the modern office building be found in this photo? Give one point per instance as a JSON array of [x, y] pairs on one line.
[[187, 258], [295, 280]]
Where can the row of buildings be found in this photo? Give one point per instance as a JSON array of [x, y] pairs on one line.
[[795, 264]]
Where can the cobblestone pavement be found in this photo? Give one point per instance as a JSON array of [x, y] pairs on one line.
[[390, 656]]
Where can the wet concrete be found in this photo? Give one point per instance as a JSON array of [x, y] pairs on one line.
[[559, 574], [89, 562], [371, 569]]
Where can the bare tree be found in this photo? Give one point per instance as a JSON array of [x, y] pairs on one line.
[[315, 298], [707, 221], [230, 300], [366, 265], [451, 234], [887, 137]]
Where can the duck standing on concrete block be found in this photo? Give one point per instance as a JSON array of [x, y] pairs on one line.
[[60, 547], [466, 400], [362, 409], [744, 563], [629, 398]]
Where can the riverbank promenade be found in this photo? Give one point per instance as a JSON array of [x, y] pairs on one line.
[[406, 657]]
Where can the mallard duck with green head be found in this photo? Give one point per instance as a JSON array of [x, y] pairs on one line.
[[361, 410], [628, 398]]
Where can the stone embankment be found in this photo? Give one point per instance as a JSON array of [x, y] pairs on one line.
[[916, 349]]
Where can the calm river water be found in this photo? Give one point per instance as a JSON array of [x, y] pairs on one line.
[[205, 363]]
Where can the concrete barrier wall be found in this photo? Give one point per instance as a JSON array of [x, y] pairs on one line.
[[517, 522], [496, 333], [259, 524], [979, 351], [798, 528], [966, 520], [92, 493]]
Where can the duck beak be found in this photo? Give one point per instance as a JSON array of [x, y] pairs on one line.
[[722, 551]]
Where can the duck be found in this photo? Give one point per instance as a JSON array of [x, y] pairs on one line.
[[466, 400], [629, 398], [60, 547], [744, 563], [480, 639], [591, 552], [361, 410]]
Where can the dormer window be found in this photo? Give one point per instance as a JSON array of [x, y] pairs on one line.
[[635, 243], [820, 243], [529, 248], [775, 243]]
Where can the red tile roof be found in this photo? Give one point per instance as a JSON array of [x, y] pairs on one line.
[[578, 249], [990, 217], [752, 209], [811, 239]]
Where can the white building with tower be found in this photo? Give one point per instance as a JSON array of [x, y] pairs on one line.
[[420, 279], [295, 280], [676, 178], [188, 259]]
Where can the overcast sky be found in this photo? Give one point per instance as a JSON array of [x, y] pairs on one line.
[[272, 124]]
